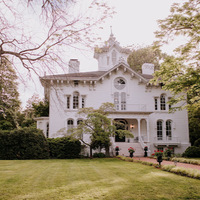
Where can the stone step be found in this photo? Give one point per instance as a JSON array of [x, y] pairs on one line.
[[124, 146]]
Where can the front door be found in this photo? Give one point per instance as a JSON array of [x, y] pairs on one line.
[[122, 125]]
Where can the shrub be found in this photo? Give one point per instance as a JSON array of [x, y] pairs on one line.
[[24, 143], [99, 155], [192, 152], [197, 143], [184, 160], [64, 147]]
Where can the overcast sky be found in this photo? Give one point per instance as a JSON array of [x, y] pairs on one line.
[[134, 23]]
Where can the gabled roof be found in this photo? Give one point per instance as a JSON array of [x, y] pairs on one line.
[[96, 75]]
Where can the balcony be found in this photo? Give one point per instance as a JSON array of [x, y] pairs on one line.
[[130, 107], [162, 141]]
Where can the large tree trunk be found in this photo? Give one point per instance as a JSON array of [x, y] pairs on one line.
[[90, 152], [107, 151]]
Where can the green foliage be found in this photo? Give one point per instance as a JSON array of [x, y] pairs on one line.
[[64, 147], [197, 143], [194, 124], [99, 126], [99, 155], [26, 143], [41, 109], [181, 75], [192, 152], [9, 96], [144, 55]]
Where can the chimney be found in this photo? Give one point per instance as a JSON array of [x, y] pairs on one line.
[[73, 66], [148, 68]]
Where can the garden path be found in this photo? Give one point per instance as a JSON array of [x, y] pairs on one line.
[[164, 162]]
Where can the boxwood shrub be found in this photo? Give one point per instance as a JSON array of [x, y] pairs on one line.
[[192, 152], [24, 143], [64, 147]]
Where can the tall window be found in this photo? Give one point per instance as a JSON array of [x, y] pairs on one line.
[[75, 100], [68, 102], [123, 101], [116, 100], [169, 104], [169, 129], [162, 102], [70, 124], [47, 131], [156, 103], [83, 102], [79, 121], [114, 57], [159, 130]]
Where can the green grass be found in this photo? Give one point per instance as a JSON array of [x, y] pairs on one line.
[[91, 179]]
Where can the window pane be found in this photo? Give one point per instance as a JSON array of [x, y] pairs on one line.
[[168, 129], [159, 130], [123, 101], [162, 102], [76, 100]]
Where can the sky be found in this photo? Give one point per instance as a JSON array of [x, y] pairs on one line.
[[134, 23]]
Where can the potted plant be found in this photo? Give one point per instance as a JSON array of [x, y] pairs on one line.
[[131, 150], [145, 151], [117, 150], [159, 155], [168, 153]]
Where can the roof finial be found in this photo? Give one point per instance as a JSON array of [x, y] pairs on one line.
[[111, 31]]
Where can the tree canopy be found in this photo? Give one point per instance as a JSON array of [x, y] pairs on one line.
[[9, 96], [35, 34], [181, 74], [142, 55], [100, 128]]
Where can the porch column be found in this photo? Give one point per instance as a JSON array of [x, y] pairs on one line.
[[139, 134], [147, 129]]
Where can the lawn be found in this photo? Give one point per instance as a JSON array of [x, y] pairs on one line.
[[91, 179]]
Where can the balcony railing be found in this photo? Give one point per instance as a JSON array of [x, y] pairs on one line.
[[166, 140], [130, 107]]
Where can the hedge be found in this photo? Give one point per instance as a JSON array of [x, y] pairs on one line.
[[24, 143], [192, 152], [64, 147]]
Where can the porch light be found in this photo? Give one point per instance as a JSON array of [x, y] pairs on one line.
[[132, 126]]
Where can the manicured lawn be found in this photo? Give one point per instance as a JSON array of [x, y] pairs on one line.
[[91, 179]]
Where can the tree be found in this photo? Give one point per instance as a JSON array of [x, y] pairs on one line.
[[9, 96], [99, 127], [145, 55], [181, 74], [62, 25]]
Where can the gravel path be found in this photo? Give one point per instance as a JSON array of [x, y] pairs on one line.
[[152, 160]]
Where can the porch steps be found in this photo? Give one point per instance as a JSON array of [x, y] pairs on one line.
[[124, 146]]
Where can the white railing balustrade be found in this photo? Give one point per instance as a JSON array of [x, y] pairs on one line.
[[166, 139]]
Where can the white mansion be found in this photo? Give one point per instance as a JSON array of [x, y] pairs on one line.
[[140, 106]]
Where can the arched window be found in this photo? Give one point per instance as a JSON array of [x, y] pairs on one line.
[[114, 57], [169, 129], [123, 101], [116, 100], [70, 124], [75, 100], [162, 102], [159, 130], [79, 121]]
